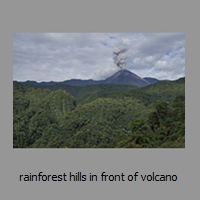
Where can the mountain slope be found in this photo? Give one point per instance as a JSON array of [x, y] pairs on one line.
[[127, 78], [160, 91], [36, 111], [151, 80]]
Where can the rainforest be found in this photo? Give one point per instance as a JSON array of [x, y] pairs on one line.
[[99, 116]]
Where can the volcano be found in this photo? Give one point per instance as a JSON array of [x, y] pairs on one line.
[[122, 77], [125, 77]]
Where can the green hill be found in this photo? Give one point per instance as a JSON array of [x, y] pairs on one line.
[[35, 111], [79, 91], [99, 116], [160, 91]]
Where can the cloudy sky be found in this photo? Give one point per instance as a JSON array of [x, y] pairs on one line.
[[63, 56]]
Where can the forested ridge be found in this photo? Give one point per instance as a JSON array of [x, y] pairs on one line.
[[99, 116]]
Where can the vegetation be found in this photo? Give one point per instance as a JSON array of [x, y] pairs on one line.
[[99, 116]]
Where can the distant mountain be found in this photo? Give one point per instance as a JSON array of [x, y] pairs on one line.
[[122, 77], [126, 77], [79, 82], [72, 82], [34, 83], [180, 80], [151, 80]]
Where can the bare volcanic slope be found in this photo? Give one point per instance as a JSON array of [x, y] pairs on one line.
[[126, 77]]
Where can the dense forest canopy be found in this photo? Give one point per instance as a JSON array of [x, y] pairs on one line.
[[99, 116]]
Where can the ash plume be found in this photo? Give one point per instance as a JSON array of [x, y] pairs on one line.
[[119, 56]]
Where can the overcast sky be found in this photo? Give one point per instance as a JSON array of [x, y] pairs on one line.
[[63, 56]]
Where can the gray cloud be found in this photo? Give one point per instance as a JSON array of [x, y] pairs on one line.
[[62, 56]]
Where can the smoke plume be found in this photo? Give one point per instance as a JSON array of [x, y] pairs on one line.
[[119, 56]]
